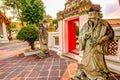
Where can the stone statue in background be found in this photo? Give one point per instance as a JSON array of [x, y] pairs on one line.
[[43, 40], [95, 37]]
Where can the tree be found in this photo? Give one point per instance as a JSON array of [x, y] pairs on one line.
[[55, 21], [15, 6], [33, 11], [11, 28], [28, 33]]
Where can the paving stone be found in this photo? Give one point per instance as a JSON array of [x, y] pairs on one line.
[[33, 68], [13, 75], [54, 73], [34, 74], [43, 73], [53, 78], [24, 74], [19, 78], [55, 67], [42, 78], [37, 67], [46, 67], [3, 75], [32, 78]]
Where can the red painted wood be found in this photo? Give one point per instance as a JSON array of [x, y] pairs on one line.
[[72, 35]]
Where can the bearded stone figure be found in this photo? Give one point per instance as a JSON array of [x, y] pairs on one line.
[[43, 40], [95, 37]]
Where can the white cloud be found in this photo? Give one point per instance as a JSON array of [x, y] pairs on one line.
[[53, 6]]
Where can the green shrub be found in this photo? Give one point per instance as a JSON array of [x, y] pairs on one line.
[[28, 33], [11, 28]]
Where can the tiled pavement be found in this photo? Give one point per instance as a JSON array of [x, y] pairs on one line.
[[33, 68], [11, 49]]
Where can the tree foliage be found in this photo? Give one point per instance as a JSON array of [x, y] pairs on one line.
[[33, 11], [11, 28], [55, 21], [15, 7], [30, 11], [28, 33]]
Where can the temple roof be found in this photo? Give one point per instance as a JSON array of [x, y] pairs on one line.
[[4, 18]]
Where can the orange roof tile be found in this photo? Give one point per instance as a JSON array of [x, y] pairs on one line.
[[4, 18]]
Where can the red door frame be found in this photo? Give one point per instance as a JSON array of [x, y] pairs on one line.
[[72, 35]]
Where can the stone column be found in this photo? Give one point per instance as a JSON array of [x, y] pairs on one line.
[[60, 29], [4, 31]]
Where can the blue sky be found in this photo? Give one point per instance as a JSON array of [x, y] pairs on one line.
[[54, 6]]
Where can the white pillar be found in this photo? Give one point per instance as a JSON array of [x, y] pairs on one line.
[[50, 40], [4, 31], [60, 27], [119, 49], [65, 36]]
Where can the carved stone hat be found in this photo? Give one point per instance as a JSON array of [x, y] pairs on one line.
[[95, 7]]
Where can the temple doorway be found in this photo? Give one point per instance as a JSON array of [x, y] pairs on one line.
[[73, 33]]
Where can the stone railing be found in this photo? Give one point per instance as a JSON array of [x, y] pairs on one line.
[[53, 42]]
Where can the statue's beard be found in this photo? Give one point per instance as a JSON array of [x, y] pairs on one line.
[[94, 17]]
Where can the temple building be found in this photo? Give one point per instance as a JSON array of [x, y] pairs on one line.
[[75, 14], [4, 22]]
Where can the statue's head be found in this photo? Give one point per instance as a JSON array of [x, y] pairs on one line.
[[94, 11], [41, 26]]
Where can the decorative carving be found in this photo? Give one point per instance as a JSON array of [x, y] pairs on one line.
[[74, 7]]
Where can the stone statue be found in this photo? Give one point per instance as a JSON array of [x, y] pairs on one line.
[[95, 37], [43, 40]]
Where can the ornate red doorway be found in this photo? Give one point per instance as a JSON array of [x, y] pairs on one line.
[[72, 35]]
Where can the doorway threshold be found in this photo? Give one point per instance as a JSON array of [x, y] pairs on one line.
[[71, 57]]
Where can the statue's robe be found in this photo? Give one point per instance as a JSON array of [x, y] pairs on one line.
[[94, 41], [43, 40]]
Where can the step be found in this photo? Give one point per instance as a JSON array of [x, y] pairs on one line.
[[113, 67], [113, 58], [113, 63], [72, 57]]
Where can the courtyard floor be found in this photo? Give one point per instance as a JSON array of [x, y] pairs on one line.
[[33, 68]]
